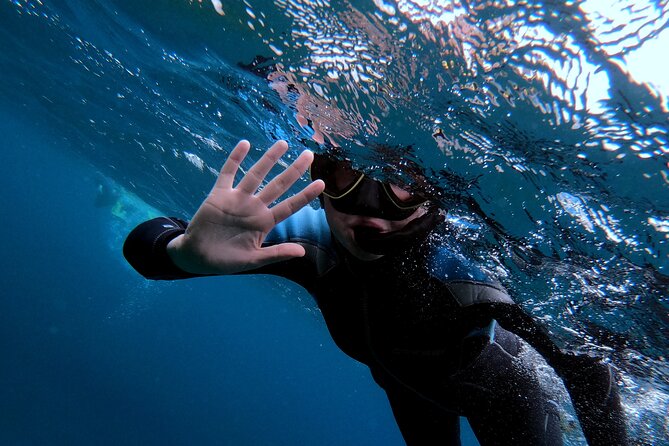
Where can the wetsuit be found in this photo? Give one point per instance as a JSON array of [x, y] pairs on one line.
[[438, 335]]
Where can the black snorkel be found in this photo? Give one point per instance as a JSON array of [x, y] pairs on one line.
[[396, 242]]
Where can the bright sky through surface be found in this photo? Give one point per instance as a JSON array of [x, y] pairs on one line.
[[611, 20], [646, 64], [650, 63]]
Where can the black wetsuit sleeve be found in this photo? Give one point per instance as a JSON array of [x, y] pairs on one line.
[[589, 381], [145, 248]]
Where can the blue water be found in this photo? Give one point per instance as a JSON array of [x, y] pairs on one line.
[[93, 354], [113, 112]]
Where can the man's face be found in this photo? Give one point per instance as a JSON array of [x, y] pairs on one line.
[[343, 226]]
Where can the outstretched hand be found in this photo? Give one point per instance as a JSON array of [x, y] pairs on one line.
[[226, 233]]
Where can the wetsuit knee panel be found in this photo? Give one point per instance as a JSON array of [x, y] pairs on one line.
[[478, 341]]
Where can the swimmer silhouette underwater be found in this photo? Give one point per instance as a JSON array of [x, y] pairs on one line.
[[441, 337]]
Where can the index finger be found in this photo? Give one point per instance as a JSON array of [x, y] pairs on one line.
[[282, 182], [257, 173], [226, 178], [291, 205]]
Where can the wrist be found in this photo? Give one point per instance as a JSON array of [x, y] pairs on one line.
[[175, 252]]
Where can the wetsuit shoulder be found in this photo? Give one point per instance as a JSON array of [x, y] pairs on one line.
[[309, 228], [468, 282]]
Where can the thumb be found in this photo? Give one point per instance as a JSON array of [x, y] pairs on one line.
[[280, 252]]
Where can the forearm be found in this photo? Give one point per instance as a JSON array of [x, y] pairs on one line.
[[145, 249]]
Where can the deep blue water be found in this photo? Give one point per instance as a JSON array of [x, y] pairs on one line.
[[93, 354], [113, 112]]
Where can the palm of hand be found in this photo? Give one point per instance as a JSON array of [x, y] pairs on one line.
[[226, 234]]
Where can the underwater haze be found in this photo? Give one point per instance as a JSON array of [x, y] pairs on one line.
[[542, 126]]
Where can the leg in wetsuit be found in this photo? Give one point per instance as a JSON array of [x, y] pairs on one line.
[[422, 422], [500, 396], [503, 399]]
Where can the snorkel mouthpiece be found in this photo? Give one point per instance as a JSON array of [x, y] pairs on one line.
[[390, 243]]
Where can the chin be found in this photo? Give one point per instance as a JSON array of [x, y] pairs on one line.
[[360, 254]]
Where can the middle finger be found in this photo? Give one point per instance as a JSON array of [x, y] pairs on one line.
[[282, 182], [256, 174]]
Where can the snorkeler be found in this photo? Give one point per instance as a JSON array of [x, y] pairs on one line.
[[438, 335]]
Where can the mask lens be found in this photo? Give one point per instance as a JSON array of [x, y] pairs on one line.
[[340, 179], [339, 176], [403, 197], [401, 194]]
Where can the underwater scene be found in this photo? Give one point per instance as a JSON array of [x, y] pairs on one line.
[[541, 126]]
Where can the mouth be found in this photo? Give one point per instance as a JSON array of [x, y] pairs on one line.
[[363, 233], [368, 228], [366, 231], [375, 240], [366, 224]]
